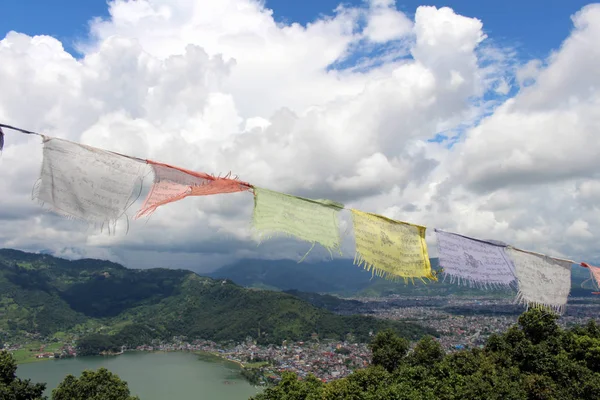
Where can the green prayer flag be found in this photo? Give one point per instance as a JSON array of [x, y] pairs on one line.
[[315, 221]]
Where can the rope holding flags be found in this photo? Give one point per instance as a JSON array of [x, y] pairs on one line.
[[97, 186]]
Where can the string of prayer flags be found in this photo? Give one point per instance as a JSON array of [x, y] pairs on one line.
[[314, 221], [389, 248], [97, 186], [543, 280], [173, 183], [86, 183], [472, 261]]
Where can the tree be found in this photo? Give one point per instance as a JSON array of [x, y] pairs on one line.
[[290, 388], [388, 349], [427, 352], [13, 388], [93, 385], [538, 324]]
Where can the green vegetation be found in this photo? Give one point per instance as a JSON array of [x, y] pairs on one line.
[[326, 301], [100, 385], [92, 385], [27, 353], [223, 311], [535, 359], [13, 388], [106, 306]]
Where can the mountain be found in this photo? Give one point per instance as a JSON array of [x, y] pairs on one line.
[[335, 276], [48, 295], [341, 277]]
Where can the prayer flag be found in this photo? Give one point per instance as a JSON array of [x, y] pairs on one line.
[[594, 275], [543, 280], [473, 261], [174, 183], [314, 221], [390, 248], [84, 182]]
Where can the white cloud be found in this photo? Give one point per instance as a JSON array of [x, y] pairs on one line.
[[547, 133], [220, 86], [386, 23], [579, 230]]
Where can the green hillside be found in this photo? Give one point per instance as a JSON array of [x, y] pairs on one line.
[[341, 277], [328, 302], [45, 295]]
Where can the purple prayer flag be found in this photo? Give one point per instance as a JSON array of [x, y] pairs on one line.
[[473, 261]]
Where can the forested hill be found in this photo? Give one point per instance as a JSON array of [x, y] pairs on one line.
[[44, 294]]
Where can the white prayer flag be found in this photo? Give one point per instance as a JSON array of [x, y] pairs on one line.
[[86, 183], [542, 280], [473, 261]]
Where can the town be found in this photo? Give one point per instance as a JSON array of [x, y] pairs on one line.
[[326, 360]]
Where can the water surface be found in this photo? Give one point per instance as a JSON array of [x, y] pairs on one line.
[[152, 376]]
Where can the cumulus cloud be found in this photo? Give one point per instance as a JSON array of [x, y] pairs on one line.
[[220, 87], [385, 23], [547, 132]]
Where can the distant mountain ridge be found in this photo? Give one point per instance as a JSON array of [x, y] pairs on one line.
[[335, 276], [49, 295], [341, 277]]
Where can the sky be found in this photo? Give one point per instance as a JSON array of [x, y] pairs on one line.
[[473, 117], [534, 27]]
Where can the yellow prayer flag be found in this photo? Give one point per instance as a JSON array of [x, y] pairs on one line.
[[392, 249], [315, 221]]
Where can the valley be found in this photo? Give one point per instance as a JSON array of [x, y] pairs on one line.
[[53, 308]]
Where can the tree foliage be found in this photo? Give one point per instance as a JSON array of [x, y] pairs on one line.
[[388, 350], [130, 336], [13, 388], [93, 385], [535, 359], [95, 344]]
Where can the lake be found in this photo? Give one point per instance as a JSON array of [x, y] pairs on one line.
[[152, 376]]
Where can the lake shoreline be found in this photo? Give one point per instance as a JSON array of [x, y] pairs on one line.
[[207, 356], [153, 375]]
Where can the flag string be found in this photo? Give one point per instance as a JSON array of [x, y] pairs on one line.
[[582, 264], [19, 130]]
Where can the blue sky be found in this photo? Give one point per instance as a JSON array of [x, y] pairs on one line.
[[535, 27]]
